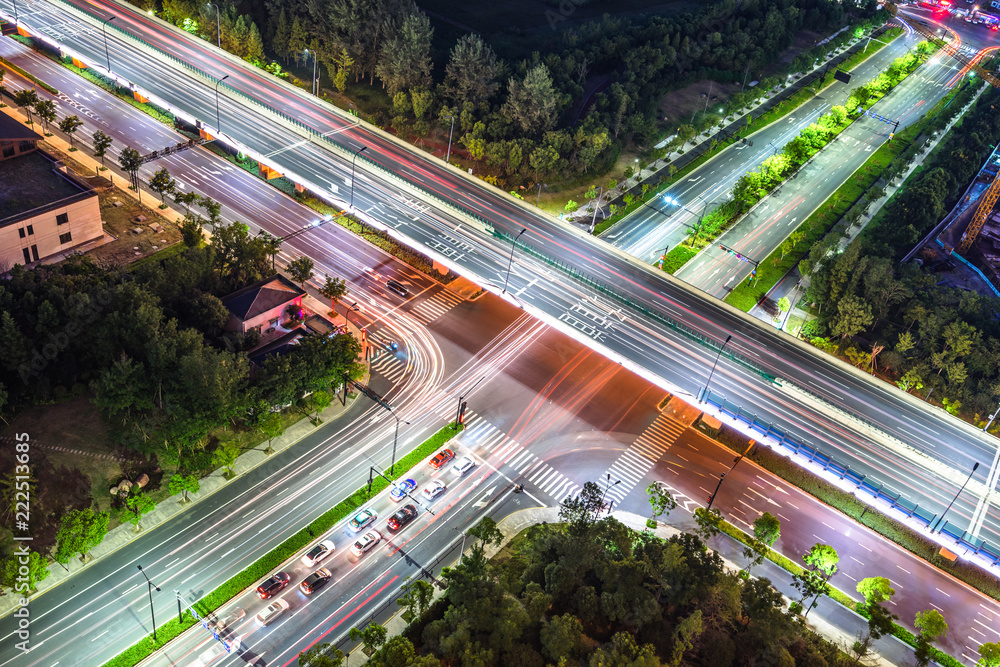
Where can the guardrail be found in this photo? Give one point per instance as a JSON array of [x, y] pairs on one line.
[[864, 483]]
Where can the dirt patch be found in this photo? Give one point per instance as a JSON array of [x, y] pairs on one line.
[[679, 106], [121, 221]]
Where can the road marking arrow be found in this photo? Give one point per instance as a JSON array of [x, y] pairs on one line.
[[489, 492]]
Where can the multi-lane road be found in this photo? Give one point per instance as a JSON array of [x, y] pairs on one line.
[[666, 356]]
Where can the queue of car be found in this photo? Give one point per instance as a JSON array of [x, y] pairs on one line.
[[362, 526]]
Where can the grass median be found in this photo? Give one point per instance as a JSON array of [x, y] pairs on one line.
[[279, 554]]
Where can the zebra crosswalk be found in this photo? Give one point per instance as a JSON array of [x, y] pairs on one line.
[[389, 366], [530, 470], [431, 309], [637, 460]]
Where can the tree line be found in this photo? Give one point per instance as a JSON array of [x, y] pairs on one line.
[[898, 319], [526, 120]]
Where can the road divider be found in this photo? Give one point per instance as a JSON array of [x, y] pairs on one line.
[[273, 559]]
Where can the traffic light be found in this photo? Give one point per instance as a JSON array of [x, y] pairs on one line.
[[890, 135], [722, 247], [461, 412], [364, 333]]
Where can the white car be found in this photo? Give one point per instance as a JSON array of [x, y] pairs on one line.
[[366, 543], [434, 489], [272, 612], [318, 553], [361, 520], [464, 465]]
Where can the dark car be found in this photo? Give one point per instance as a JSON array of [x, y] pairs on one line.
[[441, 458], [404, 516], [315, 581], [397, 287], [271, 586]]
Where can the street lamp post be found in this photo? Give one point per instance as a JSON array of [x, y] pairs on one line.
[[597, 205], [15, 12], [347, 315], [607, 486], [150, 587], [353, 160], [513, 244], [218, 115], [736, 461], [392, 466], [940, 522], [712, 372], [218, 23], [314, 88], [107, 53], [450, 134]]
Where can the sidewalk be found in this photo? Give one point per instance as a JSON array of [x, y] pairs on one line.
[[829, 619]]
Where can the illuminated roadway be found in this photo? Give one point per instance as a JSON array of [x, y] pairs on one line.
[[642, 343]]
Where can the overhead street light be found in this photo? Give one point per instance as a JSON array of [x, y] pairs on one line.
[[218, 116], [392, 466], [107, 53], [150, 587], [604, 495], [218, 23], [450, 133], [513, 244], [712, 372], [597, 205], [736, 461], [941, 521], [353, 159], [315, 87]]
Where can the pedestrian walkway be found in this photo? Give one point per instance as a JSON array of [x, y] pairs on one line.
[[436, 306], [390, 367], [637, 460]]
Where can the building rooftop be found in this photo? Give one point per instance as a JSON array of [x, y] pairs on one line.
[[30, 182], [276, 347], [11, 129], [262, 296]]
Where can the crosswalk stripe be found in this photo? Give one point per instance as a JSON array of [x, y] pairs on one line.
[[519, 459], [546, 476], [494, 439], [508, 446]]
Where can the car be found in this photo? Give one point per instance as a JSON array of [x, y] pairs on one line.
[[272, 585], [397, 287], [232, 617], [208, 657], [318, 553], [361, 520], [442, 458], [272, 612], [464, 465], [366, 543], [400, 490], [434, 489], [405, 515], [315, 581]]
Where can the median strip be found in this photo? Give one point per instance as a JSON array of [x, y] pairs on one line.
[[258, 570]]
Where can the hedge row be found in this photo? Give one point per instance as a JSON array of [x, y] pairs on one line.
[[267, 563], [30, 77]]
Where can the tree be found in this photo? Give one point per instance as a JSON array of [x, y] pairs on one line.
[[321, 655], [372, 637], [342, 68], [853, 316], [660, 500], [69, 125], [784, 304], [531, 102], [406, 57], [138, 504], [767, 528], [79, 532], [810, 584], [320, 401], [709, 523], [12, 572], [623, 650], [821, 561], [225, 456], [417, 596], [102, 143], [130, 160], [562, 637], [301, 269], [822, 558], [26, 99], [931, 626], [581, 511], [875, 591], [686, 632], [271, 427], [46, 110], [989, 655], [487, 534], [472, 71], [162, 184], [183, 484], [254, 46], [192, 230], [571, 206], [333, 289]]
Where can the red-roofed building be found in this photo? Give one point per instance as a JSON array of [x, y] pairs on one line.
[[262, 305]]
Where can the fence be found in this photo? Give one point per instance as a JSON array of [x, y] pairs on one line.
[[863, 483]]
